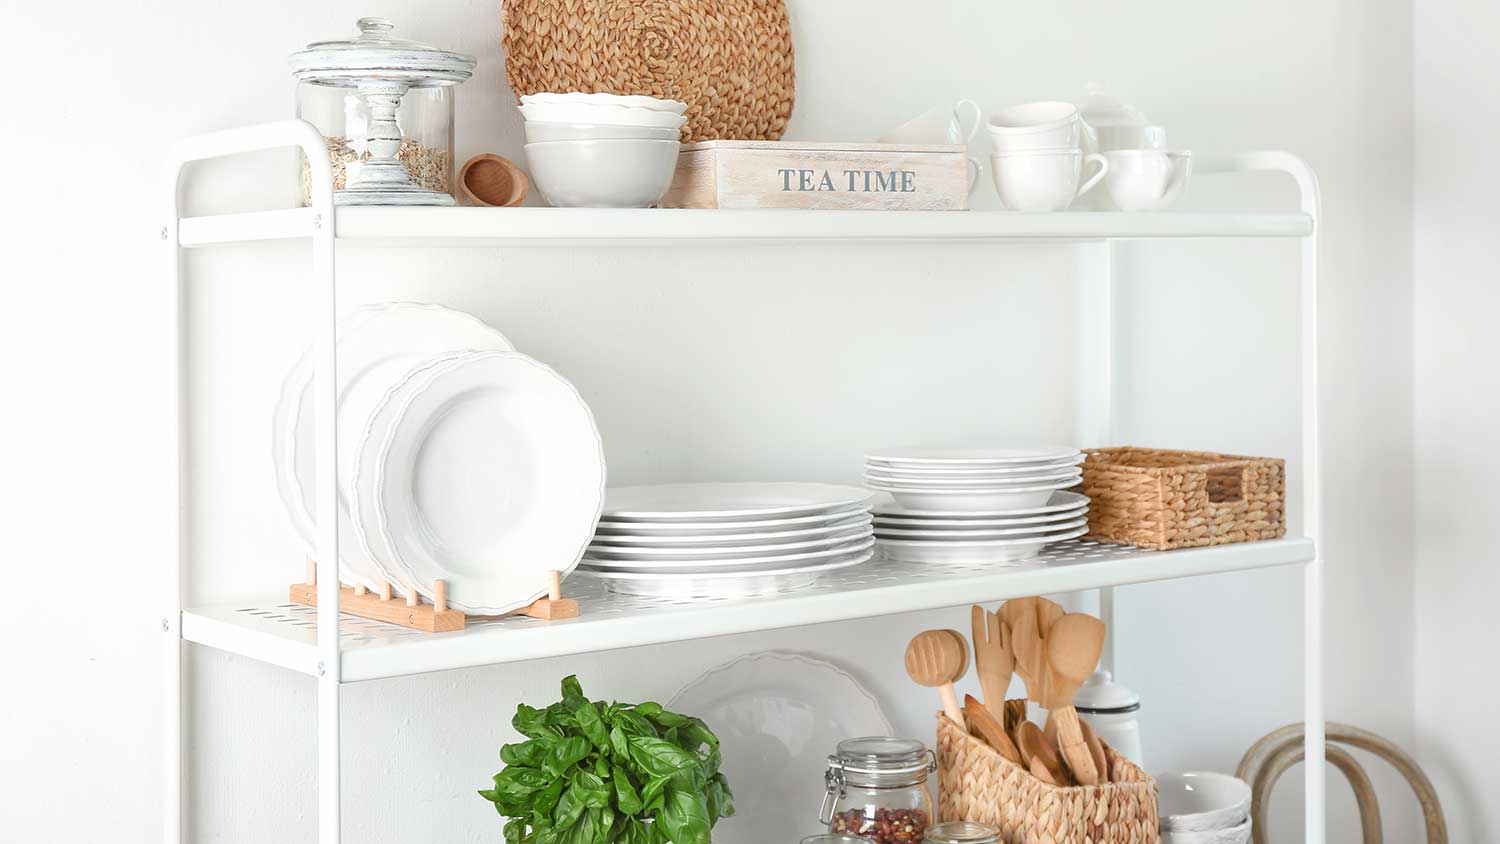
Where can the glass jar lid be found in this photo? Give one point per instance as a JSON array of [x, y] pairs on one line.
[[882, 755], [836, 838], [962, 832], [377, 54]]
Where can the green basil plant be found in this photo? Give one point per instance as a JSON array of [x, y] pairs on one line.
[[597, 773]]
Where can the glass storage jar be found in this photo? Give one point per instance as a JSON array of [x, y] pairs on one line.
[[384, 106], [877, 789], [962, 832]]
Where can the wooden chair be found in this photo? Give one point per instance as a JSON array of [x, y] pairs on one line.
[[1267, 759]]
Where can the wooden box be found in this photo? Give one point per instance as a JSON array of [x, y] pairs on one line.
[[798, 174]]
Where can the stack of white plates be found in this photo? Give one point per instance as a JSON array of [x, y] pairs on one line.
[[727, 539], [975, 504], [461, 460]]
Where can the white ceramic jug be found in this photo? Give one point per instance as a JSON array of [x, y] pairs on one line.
[[1114, 713]]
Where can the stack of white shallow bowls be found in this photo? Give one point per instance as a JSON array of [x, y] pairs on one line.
[[710, 540], [602, 150], [459, 460], [975, 504], [1204, 807]]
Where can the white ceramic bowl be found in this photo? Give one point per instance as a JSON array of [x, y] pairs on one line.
[[1234, 835], [538, 132], [1037, 126], [630, 100], [605, 173], [1147, 179], [1198, 801], [611, 115]]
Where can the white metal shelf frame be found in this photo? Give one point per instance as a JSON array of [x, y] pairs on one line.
[[323, 657]]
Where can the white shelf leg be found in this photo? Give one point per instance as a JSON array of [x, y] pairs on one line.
[[1095, 415], [171, 619]]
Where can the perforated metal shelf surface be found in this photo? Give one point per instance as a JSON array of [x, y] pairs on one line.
[[284, 634]]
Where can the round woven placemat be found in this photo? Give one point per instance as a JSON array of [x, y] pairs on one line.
[[729, 60]]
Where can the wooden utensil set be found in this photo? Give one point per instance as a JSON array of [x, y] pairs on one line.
[[1054, 651]]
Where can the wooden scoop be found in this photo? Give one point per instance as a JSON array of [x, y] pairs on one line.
[[993, 663], [489, 179], [937, 658], [1042, 758], [984, 724]]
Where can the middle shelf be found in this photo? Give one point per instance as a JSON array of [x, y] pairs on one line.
[[281, 633]]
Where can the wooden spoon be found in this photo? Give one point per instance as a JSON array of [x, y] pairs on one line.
[[1040, 754], [1073, 647], [1030, 656], [1096, 750], [937, 658], [992, 662], [489, 179], [986, 726]]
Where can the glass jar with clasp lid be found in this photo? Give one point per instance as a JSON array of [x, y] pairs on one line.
[[962, 832], [876, 788]]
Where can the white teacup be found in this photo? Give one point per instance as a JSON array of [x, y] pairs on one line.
[[1043, 179], [939, 125], [1147, 179], [1046, 125], [1132, 137]]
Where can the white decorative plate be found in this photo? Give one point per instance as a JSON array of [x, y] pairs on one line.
[[922, 455], [377, 344], [778, 716], [720, 502], [728, 540], [972, 551], [1060, 502], [492, 476]]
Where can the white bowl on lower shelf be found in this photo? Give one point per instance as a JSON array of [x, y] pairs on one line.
[[1234, 835], [1202, 801], [603, 173]]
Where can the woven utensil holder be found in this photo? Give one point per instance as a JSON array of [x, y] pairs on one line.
[[1159, 498], [977, 784]]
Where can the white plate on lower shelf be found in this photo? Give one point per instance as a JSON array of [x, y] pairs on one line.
[[863, 542], [728, 540], [729, 502], [1034, 522], [830, 519], [778, 716], [976, 500], [972, 457], [721, 584], [971, 551], [1072, 476], [967, 471], [491, 476], [670, 552], [1060, 502], [952, 534]]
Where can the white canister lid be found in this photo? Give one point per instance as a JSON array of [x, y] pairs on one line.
[[376, 53], [1101, 695], [1102, 111]]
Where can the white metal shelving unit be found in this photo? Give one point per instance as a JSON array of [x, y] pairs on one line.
[[336, 650]]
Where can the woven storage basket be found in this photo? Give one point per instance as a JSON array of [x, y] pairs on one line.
[[729, 60], [1156, 498], [977, 784]]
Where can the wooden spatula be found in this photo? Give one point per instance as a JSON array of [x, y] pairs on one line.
[[985, 725], [992, 662], [1073, 645], [1047, 614], [1030, 656], [937, 658], [1043, 759]]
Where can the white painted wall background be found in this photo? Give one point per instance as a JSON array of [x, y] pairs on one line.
[[1457, 204], [700, 363]]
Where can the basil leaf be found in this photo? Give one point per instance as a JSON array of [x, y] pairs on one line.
[[529, 722], [526, 753], [685, 815], [648, 709], [720, 798], [660, 757], [565, 754], [620, 746], [651, 795], [634, 724], [699, 733], [572, 693], [590, 790], [586, 830], [569, 809], [546, 799], [514, 829], [669, 719], [592, 725], [626, 796]]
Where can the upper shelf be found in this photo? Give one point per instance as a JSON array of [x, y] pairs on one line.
[[365, 226], [284, 634]]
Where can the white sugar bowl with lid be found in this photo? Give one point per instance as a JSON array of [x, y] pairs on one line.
[[384, 104], [1114, 713]]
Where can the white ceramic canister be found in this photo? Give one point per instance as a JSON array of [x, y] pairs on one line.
[[1114, 713]]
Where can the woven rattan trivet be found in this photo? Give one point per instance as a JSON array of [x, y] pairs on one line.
[[729, 60]]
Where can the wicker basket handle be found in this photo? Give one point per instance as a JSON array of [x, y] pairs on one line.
[[1225, 483]]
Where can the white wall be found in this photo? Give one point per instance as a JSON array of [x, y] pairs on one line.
[[829, 350], [1457, 204]]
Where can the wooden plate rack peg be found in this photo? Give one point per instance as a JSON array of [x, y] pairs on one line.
[[436, 617]]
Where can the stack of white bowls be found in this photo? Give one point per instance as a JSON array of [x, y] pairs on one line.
[[1203, 807], [710, 540], [602, 150], [1040, 151], [975, 505]]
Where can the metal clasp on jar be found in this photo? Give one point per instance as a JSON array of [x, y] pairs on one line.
[[833, 783]]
